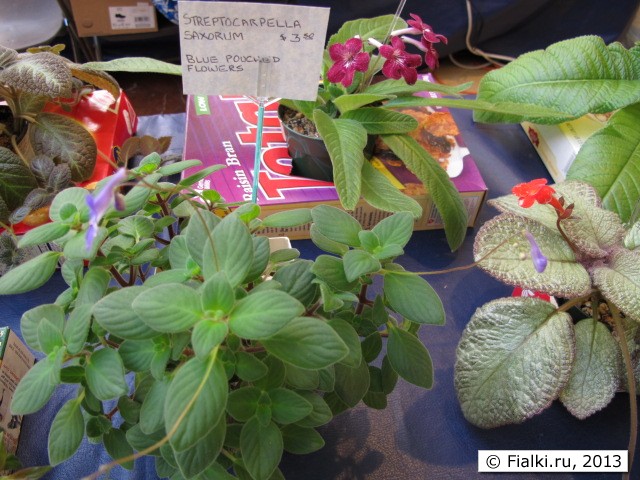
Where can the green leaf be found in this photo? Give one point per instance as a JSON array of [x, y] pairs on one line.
[[345, 140], [413, 298], [261, 448], [632, 238], [325, 243], [136, 226], [594, 377], [140, 440], [409, 358], [575, 76], [249, 368], [275, 376], [77, 328], [116, 445], [152, 410], [66, 139], [135, 64], [75, 196], [263, 313], [288, 406], [401, 87], [195, 460], [36, 387], [321, 413], [217, 294], [301, 378], [505, 338], [129, 409], [443, 192], [619, 281], [352, 383], [16, 180], [136, 198], [504, 252], [105, 374], [371, 347], [307, 343], [336, 225], [31, 319], [288, 218], [116, 315], [377, 27], [169, 308], [29, 275], [207, 335], [357, 263], [261, 256], [243, 403], [609, 161], [199, 233], [49, 336], [377, 121], [43, 234], [350, 338], [178, 167], [93, 286], [394, 230], [331, 271], [296, 279], [352, 103], [231, 251], [301, 440], [195, 401], [41, 74], [66, 432]]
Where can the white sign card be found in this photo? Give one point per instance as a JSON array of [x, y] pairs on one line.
[[226, 46]]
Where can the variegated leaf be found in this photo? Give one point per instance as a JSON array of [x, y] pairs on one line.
[[619, 281]]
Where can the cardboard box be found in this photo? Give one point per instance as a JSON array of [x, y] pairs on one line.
[[15, 360], [222, 130], [113, 17], [559, 144]]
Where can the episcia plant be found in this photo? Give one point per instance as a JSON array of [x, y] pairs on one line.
[[189, 340], [582, 254]]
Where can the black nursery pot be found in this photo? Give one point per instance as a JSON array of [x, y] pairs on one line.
[[309, 155]]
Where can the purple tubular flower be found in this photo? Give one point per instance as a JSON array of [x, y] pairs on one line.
[[539, 260], [349, 59], [99, 203], [399, 63]]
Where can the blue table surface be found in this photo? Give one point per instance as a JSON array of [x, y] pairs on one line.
[[421, 434]]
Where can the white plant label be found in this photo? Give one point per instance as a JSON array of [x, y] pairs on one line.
[[257, 49]]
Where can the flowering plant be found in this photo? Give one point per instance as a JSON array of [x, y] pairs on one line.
[[350, 107], [518, 354], [188, 339]]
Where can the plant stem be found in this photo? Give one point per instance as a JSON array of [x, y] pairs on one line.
[[631, 381], [362, 299], [166, 213]]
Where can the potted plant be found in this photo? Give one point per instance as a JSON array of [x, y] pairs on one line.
[[579, 76], [561, 241], [218, 354], [350, 108]]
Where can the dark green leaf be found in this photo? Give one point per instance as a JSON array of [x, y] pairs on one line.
[[243, 403], [152, 410], [410, 358], [105, 374], [288, 406], [380, 120], [16, 180], [352, 383], [297, 280], [301, 440], [116, 445], [116, 315], [321, 413], [249, 368], [261, 448], [169, 307], [207, 335], [195, 460], [350, 338]]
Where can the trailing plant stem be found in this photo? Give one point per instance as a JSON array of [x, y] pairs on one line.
[[631, 381]]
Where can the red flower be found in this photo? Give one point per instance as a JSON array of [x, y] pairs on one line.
[[534, 191], [399, 62], [348, 58], [428, 35]]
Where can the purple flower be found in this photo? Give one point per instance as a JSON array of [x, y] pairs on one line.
[[100, 202], [349, 59], [539, 260], [399, 63]]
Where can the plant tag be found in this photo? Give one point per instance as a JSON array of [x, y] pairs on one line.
[[224, 43]]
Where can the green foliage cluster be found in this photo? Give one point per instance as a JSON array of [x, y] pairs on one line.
[[517, 355], [218, 354]]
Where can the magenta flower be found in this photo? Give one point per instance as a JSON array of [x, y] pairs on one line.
[[539, 260], [100, 202], [421, 28], [399, 63], [349, 59]]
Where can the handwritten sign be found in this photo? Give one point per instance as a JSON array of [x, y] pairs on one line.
[[237, 48]]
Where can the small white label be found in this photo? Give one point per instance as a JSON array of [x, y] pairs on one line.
[[260, 49], [538, 461], [132, 18]]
